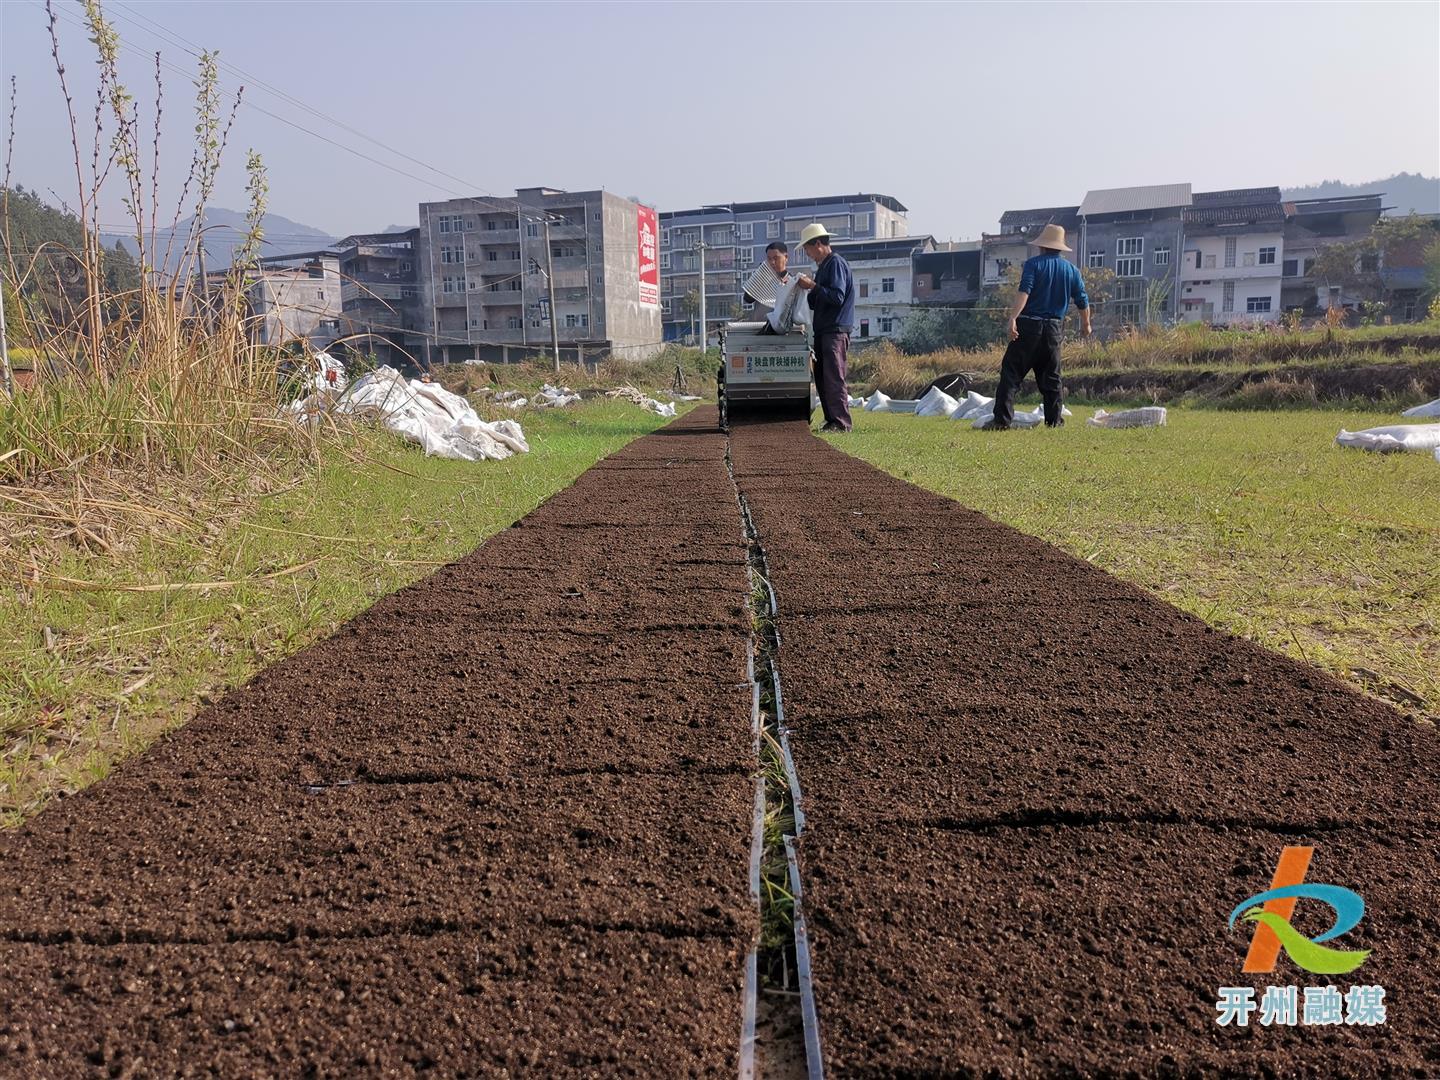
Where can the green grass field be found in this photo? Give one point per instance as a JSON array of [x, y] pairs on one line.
[[1256, 522], [89, 675]]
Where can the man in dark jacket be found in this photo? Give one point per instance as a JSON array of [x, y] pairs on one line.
[[832, 303], [1048, 284]]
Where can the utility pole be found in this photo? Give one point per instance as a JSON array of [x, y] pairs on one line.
[[550, 284], [704, 329]]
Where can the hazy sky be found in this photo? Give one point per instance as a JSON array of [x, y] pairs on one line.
[[959, 110]]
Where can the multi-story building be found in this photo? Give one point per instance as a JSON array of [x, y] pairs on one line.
[[1010, 247], [1311, 225], [1138, 233], [380, 297], [295, 298], [884, 275], [1234, 247], [484, 288], [949, 275], [734, 236]]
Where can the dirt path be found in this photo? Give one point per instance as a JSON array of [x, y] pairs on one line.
[[501, 821], [1033, 795]]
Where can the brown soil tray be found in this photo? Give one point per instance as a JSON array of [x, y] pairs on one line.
[[1030, 788]]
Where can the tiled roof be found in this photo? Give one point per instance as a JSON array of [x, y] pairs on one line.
[[1129, 199], [1236, 197], [1012, 220]]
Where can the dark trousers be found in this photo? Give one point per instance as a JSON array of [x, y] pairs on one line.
[[1038, 349], [831, 352]]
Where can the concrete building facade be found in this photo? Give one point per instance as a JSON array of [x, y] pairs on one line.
[[1138, 234], [884, 275], [484, 291], [1234, 250], [380, 311], [735, 236], [1311, 225], [948, 275], [296, 298]]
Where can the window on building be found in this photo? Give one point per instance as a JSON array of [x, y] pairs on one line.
[[1197, 260], [744, 230], [532, 228], [864, 289], [864, 327], [1409, 314], [1131, 267], [492, 256], [1230, 243], [1096, 259], [664, 237], [1247, 259], [406, 265], [664, 260], [861, 223], [513, 322], [408, 292], [1267, 256], [887, 284], [1128, 312], [1162, 255], [1254, 305], [491, 224], [887, 325], [1228, 301], [772, 230], [1001, 265], [744, 256], [1290, 267], [666, 306], [1130, 245], [320, 294], [1209, 262], [469, 223]]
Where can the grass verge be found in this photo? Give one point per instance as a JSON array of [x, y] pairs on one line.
[[95, 667], [1255, 522]]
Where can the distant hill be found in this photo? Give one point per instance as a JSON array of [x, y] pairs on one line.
[[1403, 191], [224, 231]]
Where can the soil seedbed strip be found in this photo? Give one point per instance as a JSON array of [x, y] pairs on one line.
[[1029, 810], [436, 840], [778, 802]]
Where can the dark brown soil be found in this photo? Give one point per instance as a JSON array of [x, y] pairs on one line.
[[498, 824], [1033, 795]]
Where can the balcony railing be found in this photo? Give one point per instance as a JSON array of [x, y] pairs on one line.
[[487, 237], [500, 297]]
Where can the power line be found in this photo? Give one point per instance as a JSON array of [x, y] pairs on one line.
[[517, 209]]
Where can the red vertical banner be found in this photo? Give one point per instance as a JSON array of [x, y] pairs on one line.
[[647, 228]]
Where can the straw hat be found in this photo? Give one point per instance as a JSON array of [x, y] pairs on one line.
[[813, 231], [1052, 236]]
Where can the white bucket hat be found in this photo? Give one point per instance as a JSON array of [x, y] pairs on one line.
[[813, 231]]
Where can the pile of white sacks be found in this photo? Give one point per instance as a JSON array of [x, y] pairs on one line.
[[1396, 438], [425, 413], [977, 408]]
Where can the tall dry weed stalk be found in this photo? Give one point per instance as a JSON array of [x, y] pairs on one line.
[[163, 377]]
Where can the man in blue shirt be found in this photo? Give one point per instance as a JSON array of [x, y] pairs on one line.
[[1048, 284], [832, 303]]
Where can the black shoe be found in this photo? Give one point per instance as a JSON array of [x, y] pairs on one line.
[[833, 427], [1057, 423], [992, 426]]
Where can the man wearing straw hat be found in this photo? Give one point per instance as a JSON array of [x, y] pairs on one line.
[[1048, 285], [832, 302]]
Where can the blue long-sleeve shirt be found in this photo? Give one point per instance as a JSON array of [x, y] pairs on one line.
[[833, 298], [1051, 282]]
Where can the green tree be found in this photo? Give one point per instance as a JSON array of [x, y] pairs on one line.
[[932, 329]]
